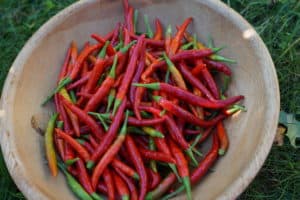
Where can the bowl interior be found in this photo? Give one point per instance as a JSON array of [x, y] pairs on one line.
[[34, 74]]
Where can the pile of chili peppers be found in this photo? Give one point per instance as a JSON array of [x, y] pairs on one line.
[[134, 108]]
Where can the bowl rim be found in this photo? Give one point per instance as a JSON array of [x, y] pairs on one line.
[[30, 190]]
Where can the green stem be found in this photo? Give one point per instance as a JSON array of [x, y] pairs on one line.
[[153, 132], [125, 49], [112, 72], [149, 31], [73, 96], [70, 162], [173, 194], [187, 185], [152, 86], [110, 99], [152, 147], [98, 115], [189, 152], [103, 50]]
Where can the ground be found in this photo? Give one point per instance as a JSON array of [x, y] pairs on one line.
[[278, 23]]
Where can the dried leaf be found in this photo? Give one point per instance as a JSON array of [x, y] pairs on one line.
[[293, 127]]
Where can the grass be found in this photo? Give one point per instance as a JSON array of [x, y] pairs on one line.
[[278, 23]]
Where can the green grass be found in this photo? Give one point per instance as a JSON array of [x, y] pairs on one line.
[[278, 23]]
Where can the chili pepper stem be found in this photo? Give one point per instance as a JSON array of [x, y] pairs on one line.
[[61, 84], [96, 196], [173, 194], [152, 86], [221, 152], [189, 152], [136, 176], [174, 169], [90, 164], [187, 185], [116, 106], [125, 197], [70, 162]]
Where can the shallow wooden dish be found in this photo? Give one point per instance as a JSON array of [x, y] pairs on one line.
[[34, 72]]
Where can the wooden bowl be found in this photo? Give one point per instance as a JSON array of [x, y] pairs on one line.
[[34, 72]]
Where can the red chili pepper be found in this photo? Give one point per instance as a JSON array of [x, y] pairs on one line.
[[158, 30], [102, 188], [155, 179], [194, 81], [109, 154], [103, 90], [64, 68], [109, 136], [184, 114], [75, 145], [206, 75], [131, 68], [207, 161], [168, 39], [155, 155], [85, 118], [198, 68], [130, 185], [137, 161], [117, 164], [108, 180], [176, 41], [121, 187], [191, 98], [149, 41], [137, 100], [137, 75], [182, 166], [223, 138], [130, 23], [79, 82], [221, 67], [83, 177]]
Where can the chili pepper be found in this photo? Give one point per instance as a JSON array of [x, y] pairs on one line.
[[73, 118], [79, 82], [98, 115], [145, 122], [108, 180], [155, 155], [121, 187], [155, 179], [233, 109], [102, 188], [103, 90], [109, 48], [174, 46], [64, 68], [130, 185], [194, 81], [162, 187], [83, 177], [180, 112], [117, 164], [223, 138], [137, 100], [137, 75], [207, 77], [187, 46], [49, 145], [150, 42], [74, 185], [109, 137], [86, 145], [130, 23], [85, 118], [115, 36], [149, 31], [128, 74], [189, 97], [137, 161], [202, 168], [75, 145], [182, 166], [221, 67], [158, 30], [109, 154]]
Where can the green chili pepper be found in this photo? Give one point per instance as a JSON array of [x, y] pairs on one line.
[[49, 145]]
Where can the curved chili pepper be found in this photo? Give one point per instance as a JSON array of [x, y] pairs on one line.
[[130, 185], [158, 30], [114, 39], [108, 180], [79, 82], [155, 155], [176, 41], [210, 82], [110, 154], [189, 97], [184, 114], [109, 49], [128, 74], [75, 145], [145, 122], [137, 161], [103, 90], [49, 145], [155, 179], [223, 138], [182, 166], [221, 67], [121, 187], [194, 81], [149, 41], [83, 177], [109, 136], [130, 23], [85, 118]]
